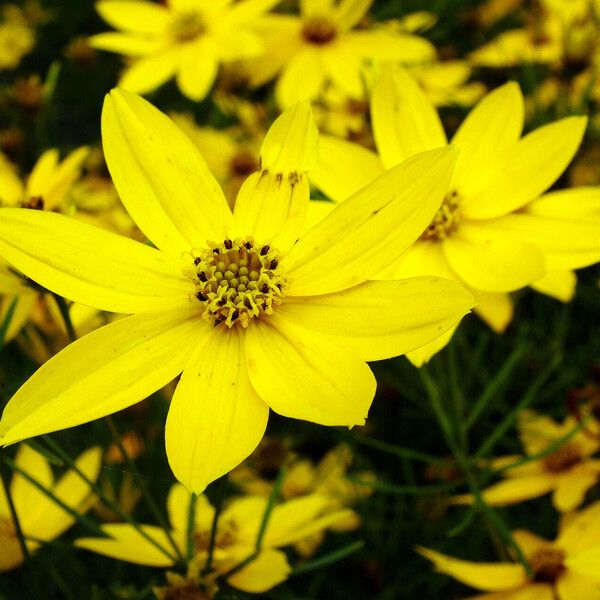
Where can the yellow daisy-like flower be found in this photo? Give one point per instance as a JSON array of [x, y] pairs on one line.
[[569, 472], [17, 36], [493, 231], [254, 314], [567, 568], [237, 530], [322, 45], [39, 516], [186, 39]]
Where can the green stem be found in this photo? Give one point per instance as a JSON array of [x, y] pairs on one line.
[[329, 559], [215, 523]]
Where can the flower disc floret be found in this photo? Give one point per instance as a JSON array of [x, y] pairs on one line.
[[563, 459], [446, 219], [238, 280], [547, 564], [319, 31]]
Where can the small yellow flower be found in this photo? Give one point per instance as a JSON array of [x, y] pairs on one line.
[[39, 516], [569, 472], [256, 314], [322, 45], [567, 568], [237, 530], [184, 39], [17, 36], [493, 232]]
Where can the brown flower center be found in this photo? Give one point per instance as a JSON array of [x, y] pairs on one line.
[[563, 459], [547, 564], [243, 164], [188, 26], [319, 31], [446, 219], [226, 536]]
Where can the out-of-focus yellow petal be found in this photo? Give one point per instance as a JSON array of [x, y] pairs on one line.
[[582, 531], [423, 355], [22, 312], [529, 591], [90, 265], [574, 203], [198, 66], [386, 46], [11, 187], [123, 43], [482, 576], [381, 319], [101, 373], [302, 78], [349, 12], [160, 176], [344, 167], [267, 570], [149, 72], [127, 544], [178, 505], [366, 233], [495, 309], [572, 486], [42, 172], [134, 15], [580, 580], [532, 166], [485, 137], [558, 284], [404, 121], [296, 373], [528, 542], [488, 261], [215, 419], [273, 202]]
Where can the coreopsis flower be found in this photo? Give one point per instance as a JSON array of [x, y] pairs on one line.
[[493, 231], [563, 569], [182, 39], [322, 45], [256, 315], [40, 517], [237, 530], [17, 36], [568, 472]]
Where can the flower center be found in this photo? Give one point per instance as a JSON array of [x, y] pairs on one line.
[[243, 164], [445, 221], [237, 281], [319, 31], [563, 459], [547, 564], [226, 536], [188, 26]]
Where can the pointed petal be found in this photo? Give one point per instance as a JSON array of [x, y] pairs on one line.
[[344, 168], [268, 569], [385, 46], [273, 202], [366, 233], [381, 319], [423, 355], [495, 309], [134, 15], [533, 165], [160, 176], [483, 576], [298, 374], [198, 66], [404, 121], [149, 72], [514, 490], [572, 487], [215, 419], [101, 373], [349, 12], [528, 542], [90, 265], [302, 78], [558, 284], [127, 544], [488, 261], [122, 43]]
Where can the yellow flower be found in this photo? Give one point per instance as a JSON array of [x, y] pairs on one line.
[[493, 232], [255, 315], [569, 472], [321, 45], [237, 530], [39, 516], [186, 39], [565, 569], [17, 37]]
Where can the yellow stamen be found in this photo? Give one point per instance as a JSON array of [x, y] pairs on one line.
[[446, 220], [237, 281]]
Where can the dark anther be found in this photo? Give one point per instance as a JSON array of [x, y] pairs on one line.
[[248, 245], [197, 261], [202, 276], [201, 296], [247, 303], [235, 315], [228, 244], [273, 264], [264, 250], [216, 250], [264, 288]]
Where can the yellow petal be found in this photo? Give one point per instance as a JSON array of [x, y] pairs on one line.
[[136, 16], [574, 203], [581, 579], [387, 46], [267, 570], [178, 505], [529, 591], [349, 12], [22, 312], [582, 531], [533, 165], [490, 130], [404, 121], [11, 555], [149, 72], [366, 233], [488, 261], [558, 284], [123, 43], [514, 490], [381, 319], [42, 171], [344, 168], [528, 542], [101, 373], [198, 66], [495, 309], [317, 211], [297, 373], [215, 419], [572, 487], [11, 187], [160, 176], [273, 202], [423, 355], [483, 576], [302, 78], [127, 544], [90, 265]]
